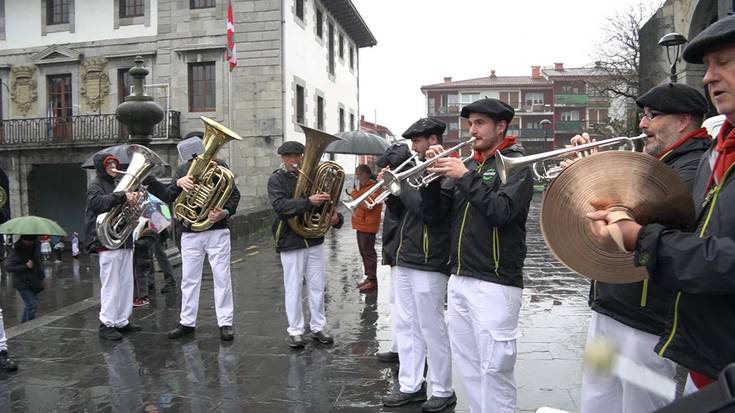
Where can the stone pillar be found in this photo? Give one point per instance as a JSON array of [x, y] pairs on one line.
[[139, 113]]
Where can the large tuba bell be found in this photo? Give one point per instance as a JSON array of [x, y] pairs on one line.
[[116, 225], [212, 183], [315, 178]]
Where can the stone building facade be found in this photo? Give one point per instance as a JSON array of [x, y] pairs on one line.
[[63, 68]]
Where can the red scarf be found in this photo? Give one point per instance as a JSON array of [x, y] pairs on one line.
[[507, 142], [700, 133], [699, 379], [725, 148]]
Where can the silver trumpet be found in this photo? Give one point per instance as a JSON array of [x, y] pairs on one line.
[[367, 198], [507, 165], [415, 177]]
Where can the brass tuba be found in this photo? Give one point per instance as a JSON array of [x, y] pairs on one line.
[[212, 183], [116, 225], [314, 178]]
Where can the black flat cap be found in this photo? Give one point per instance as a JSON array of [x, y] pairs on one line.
[[291, 147], [395, 155], [719, 33], [494, 108], [425, 127], [674, 98]]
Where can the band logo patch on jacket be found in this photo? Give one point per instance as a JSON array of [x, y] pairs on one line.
[[489, 175]]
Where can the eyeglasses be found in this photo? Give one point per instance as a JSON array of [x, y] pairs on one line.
[[652, 114]]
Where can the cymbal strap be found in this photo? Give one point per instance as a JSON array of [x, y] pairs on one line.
[[617, 214]]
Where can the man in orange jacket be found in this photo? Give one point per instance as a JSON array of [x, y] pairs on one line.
[[365, 222]]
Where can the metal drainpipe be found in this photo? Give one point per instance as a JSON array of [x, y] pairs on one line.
[[283, 70]]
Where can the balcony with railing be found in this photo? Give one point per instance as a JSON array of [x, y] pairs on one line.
[[570, 100], [79, 129], [570, 125], [534, 134]]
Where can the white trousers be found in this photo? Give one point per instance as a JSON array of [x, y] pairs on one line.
[[420, 328], [116, 292], [609, 393], [483, 327], [299, 265], [393, 288], [3, 338], [194, 246]]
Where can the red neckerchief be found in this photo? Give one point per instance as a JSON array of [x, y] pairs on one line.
[[700, 133], [699, 379], [725, 148], [508, 141]]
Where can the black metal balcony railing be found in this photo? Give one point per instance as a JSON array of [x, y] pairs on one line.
[[103, 128]]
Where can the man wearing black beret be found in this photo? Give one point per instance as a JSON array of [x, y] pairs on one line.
[[488, 247], [699, 265], [632, 316], [420, 280], [302, 258]]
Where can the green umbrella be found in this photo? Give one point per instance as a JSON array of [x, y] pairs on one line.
[[32, 225]]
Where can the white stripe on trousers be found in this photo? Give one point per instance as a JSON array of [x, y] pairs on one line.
[[305, 263], [609, 393], [483, 327], [116, 292], [420, 328], [216, 245]]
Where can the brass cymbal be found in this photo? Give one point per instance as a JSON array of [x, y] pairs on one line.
[[650, 189]]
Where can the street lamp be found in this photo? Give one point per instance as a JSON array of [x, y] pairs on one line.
[[545, 124], [672, 40]]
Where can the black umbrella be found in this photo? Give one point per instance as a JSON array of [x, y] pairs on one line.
[[357, 142], [118, 151]]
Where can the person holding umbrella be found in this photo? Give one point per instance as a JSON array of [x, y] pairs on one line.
[[116, 266], [25, 264]]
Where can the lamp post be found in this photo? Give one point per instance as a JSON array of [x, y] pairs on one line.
[[672, 41], [545, 124]]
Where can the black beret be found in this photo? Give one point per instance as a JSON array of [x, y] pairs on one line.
[[290, 147], [719, 33], [425, 127], [494, 108], [674, 98], [395, 155]]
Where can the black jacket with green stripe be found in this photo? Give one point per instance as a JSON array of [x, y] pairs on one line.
[[281, 188], [700, 266], [421, 242], [640, 305], [488, 219]]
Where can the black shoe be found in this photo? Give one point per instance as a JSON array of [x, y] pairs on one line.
[[129, 328], [296, 341], [437, 404], [109, 333], [180, 331], [168, 288], [387, 357], [322, 337], [225, 333], [399, 398], [6, 363]]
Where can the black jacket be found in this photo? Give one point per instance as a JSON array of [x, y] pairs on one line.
[[169, 193], [23, 277], [101, 198], [488, 220], [281, 189], [700, 328], [392, 214], [640, 305], [423, 242]]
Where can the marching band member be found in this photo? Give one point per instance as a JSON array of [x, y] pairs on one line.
[[366, 222], [116, 266], [302, 258], [697, 265], [213, 242], [632, 316], [421, 280], [486, 260]]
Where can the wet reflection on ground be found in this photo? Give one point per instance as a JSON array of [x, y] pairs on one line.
[[65, 367]]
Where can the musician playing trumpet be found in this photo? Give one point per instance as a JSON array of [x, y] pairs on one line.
[[488, 248], [116, 265]]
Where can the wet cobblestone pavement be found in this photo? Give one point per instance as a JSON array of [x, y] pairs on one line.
[[65, 367]]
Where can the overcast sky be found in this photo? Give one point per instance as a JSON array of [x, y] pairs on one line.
[[421, 41]]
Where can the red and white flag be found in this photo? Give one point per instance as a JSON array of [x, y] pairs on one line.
[[231, 47]]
